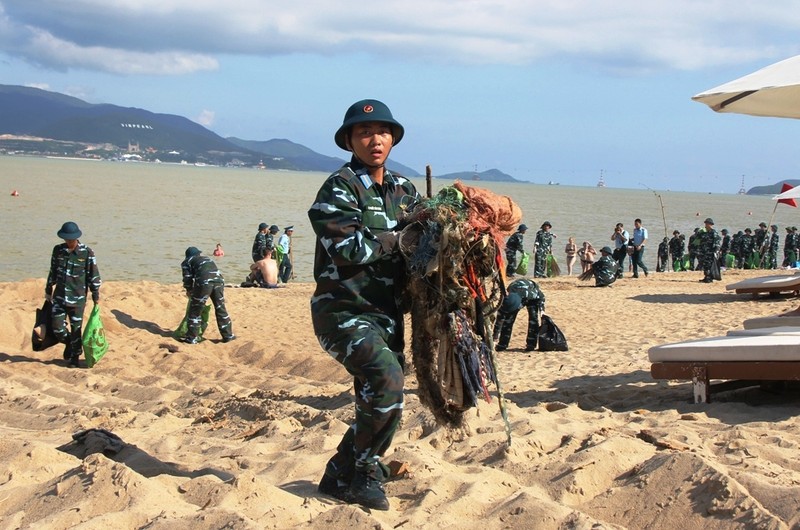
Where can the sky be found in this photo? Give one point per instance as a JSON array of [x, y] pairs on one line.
[[560, 90]]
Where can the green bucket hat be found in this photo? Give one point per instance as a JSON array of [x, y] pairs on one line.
[[367, 110], [192, 252]]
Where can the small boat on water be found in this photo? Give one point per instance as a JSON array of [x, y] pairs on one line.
[[601, 183]]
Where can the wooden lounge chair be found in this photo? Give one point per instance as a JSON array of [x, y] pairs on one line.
[[771, 285], [738, 359]]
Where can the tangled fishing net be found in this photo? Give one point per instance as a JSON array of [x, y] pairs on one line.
[[453, 248]]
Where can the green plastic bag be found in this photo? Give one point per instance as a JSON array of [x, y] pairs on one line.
[[183, 327], [552, 267], [753, 261], [94, 340], [522, 268], [730, 260]]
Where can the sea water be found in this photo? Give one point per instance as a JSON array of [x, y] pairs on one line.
[[140, 217]]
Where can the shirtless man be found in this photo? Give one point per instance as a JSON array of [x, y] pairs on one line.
[[269, 270]]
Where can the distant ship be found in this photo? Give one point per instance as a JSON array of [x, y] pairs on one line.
[[601, 183], [742, 191]]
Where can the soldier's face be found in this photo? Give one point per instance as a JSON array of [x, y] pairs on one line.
[[71, 243], [371, 142]]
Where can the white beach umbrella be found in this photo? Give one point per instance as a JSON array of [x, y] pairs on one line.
[[772, 91]]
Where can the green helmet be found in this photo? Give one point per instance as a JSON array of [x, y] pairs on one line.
[[367, 110]]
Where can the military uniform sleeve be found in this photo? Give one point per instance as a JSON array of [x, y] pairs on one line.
[[337, 220], [93, 275], [52, 275], [188, 277]]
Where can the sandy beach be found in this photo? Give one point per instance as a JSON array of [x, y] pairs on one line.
[[236, 435]]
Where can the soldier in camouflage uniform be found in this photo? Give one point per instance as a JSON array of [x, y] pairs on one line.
[[271, 237], [521, 293], [789, 245], [761, 237], [605, 269], [725, 248], [356, 307], [748, 246], [202, 280], [73, 272], [709, 243], [677, 247], [773, 244], [260, 243], [542, 247], [514, 245]]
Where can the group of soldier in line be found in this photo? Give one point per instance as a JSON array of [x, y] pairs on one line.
[[707, 249], [747, 249]]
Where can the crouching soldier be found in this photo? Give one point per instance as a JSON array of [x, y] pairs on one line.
[[605, 269], [521, 293]]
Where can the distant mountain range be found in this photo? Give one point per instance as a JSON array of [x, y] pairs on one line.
[[772, 189], [41, 122]]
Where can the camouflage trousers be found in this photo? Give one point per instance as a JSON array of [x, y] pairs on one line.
[[505, 325], [370, 348], [540, 263], [511, 262], [200, 295], [71, 338], [707, 259]]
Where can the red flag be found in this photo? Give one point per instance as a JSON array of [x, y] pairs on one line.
[[790, 202]]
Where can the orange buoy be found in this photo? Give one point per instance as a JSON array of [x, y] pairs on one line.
[[14, 193]]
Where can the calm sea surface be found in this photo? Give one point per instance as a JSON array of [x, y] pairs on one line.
[[140, 217]]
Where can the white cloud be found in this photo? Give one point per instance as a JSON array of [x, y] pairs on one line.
[[183, 36], [46, 49], [206, 118]]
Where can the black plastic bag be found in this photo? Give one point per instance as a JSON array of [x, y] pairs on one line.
[[42, 336], [715, 272], [550, 337]]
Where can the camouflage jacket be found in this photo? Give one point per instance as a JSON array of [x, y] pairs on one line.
[[544, 242], [677, 247], [774, 242], [259, 246], [528, 291], [790, 241], [200, 270], [709, 241], [72, 274], [748, 244], [514, 243], [604, 270], [354, 273]]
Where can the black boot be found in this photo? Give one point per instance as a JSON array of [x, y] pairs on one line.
[[368, 492]]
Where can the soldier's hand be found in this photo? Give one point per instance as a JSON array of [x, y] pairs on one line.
[[48, 297], [95, 297]]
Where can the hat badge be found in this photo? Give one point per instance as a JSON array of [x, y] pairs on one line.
[[368, 108]]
